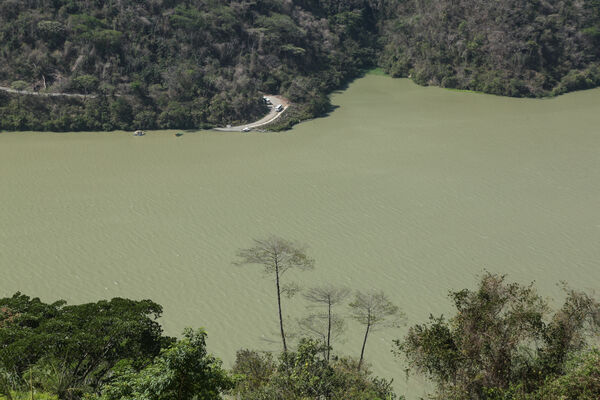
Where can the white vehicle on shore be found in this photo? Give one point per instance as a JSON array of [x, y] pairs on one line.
[[246, 129]]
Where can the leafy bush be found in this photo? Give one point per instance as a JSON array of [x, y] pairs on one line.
[[580, 381], [503, 344], [305, 374], [85, 83], [182, 371], [19, 85]]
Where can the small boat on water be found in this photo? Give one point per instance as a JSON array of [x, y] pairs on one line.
[[179, 134], [139, 133]]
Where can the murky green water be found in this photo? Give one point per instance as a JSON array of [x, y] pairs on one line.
[[407, 189]]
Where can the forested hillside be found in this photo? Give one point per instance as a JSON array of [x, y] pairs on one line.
[[518, 48], [198, 63], [175, 63]]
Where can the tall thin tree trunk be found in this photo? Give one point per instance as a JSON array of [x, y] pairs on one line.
[[179, 388], [362, 352], [279, 306], [328, 329], [31, 381]]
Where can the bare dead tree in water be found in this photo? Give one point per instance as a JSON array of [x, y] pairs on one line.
[[277, 256], [373, 310], [327, 325]]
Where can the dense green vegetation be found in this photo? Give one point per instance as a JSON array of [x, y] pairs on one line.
[[175, 63], [306, 374], [72, 349], [115, 350], [503, 343], [510, 47], [196, 63]]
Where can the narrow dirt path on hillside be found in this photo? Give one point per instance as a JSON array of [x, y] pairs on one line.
[[27, 92]]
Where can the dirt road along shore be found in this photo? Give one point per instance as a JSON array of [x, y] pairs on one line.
[[270, 117]]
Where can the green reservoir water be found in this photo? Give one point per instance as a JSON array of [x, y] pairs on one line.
[[402, 188]]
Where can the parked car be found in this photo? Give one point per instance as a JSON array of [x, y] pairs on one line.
[[246, 129], [279, 108]]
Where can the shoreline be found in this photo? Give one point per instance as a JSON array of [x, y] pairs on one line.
[[273, 115]]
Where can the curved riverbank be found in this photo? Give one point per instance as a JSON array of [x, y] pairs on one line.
[[408, 189], [272, 116]]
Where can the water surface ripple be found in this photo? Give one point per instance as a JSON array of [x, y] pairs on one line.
[[407, 189]]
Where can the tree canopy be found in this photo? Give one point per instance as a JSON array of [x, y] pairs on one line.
[[306, 374], [77, 344], [502, 341], [182, 371], [185, 64]]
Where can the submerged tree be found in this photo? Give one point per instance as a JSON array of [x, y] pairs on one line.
[[327, 325], [325, 328], [373, 310], [277, 256]]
